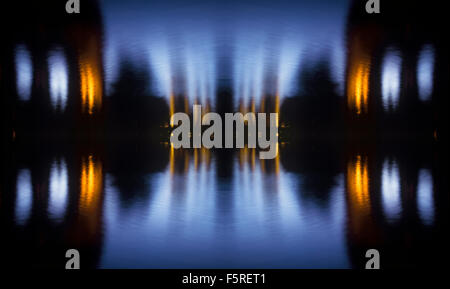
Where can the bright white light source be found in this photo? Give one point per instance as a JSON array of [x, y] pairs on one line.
[[58, 77], [24, 70], [390, 82], [425, 202], [58, 190], [425, 68], [24, 196], [391, 190]]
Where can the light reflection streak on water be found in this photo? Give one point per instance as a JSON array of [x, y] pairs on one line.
[[58, 78], [358, 185], [425, 71], [24, 196], [391, 193], [24, 70], [425, 198], [390, 82], [91, 190], [196, 217], [58, 189]]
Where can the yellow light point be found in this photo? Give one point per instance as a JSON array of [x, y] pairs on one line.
[[358, 183], [358, 83], [243, 156], [253, 158], [91, 84], [171, 107], [205, 155], [172, 159], [207, 107], [196, 159], [186, 105], [186, 161], [277, 160], [91, 184]]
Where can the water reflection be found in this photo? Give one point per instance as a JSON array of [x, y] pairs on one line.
[[24, 196], [391, 79], [358, 185], [91, 185], [223, 216], [390, 182], [24, 70], [425, 72], [203, 208], [58, 77], [425, 198], [58, 189]]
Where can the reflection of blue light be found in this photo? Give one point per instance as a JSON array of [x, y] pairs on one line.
[[58, 189], [162, 68], [195, 49], [24, 196], [58, 77], [197, 218], [425, 202], [425, 67], [391, 79], [391, 190], [24, 69]]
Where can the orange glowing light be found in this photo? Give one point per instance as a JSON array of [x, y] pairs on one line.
[[91, 85], [358, 80], [358, 183], [91, 184]]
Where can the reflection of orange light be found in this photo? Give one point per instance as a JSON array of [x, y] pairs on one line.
[[206, 157], [91, 183], [243, 156], [358, 84], [253, 159], [172, 159], [277, 108], [195, 159], [91, 87], [171, 107], [277, 161], [358, 183]]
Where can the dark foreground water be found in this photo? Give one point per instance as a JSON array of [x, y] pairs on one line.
[[135, 205]]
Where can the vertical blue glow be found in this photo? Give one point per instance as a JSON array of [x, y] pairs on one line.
[[425, 70], [24, 70], [161, 66], [425, 200], [390, 82], [390, 182], [249, 63], [288, 67], [194, 49], [24, 196], [58, 189], [58, 77]]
